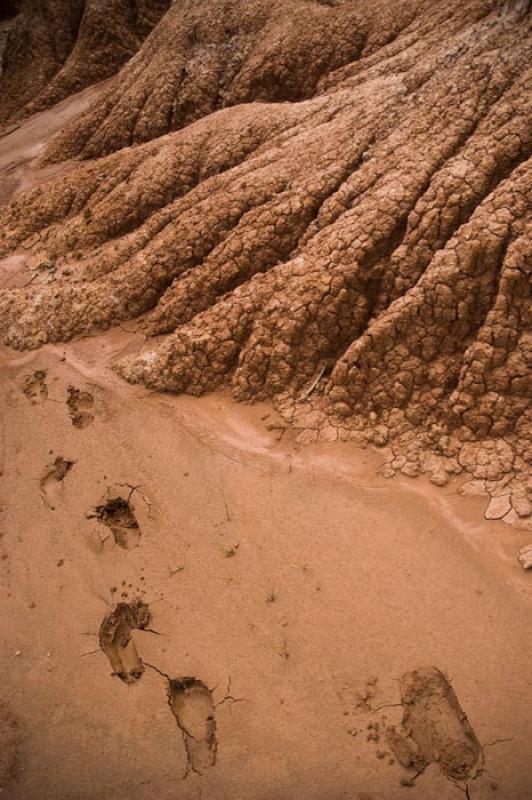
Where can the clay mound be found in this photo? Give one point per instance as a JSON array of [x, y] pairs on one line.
[[362, 256], [213, 54], [57, 47]]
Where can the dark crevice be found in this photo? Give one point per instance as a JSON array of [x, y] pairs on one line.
[[8, 10]]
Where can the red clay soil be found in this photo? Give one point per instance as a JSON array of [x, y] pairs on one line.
[[314, 204], [57, 47]]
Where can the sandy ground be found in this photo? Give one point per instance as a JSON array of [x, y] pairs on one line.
[[296, 583]]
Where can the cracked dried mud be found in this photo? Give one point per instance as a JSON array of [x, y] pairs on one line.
[[265, 383]]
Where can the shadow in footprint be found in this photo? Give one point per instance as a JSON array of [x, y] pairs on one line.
[[80, 405], [35, 388], [118, 515], [116, 639], [52, 479], [192, 705]]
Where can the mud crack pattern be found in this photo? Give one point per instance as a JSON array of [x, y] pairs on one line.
[[359, 252]]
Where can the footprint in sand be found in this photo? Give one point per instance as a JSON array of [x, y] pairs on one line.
[[434, 728], [192, 705], [35, 388], [52, 480], [116, 639], [80, 405], [190, 700], [118, 514]]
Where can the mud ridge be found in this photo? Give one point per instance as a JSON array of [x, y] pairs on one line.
[[54, 48], [347, 236]]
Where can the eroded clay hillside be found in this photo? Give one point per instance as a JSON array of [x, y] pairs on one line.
[[57, 47], [313, 203]]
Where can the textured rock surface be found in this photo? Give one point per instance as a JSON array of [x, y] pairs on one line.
[[347, 234], [57, 47]]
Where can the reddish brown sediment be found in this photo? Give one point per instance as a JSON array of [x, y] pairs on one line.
[[321, 209], [55, 48], [360, 256]]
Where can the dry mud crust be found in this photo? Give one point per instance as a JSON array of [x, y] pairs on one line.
[[361, 256], [212, 54], [57, 47]]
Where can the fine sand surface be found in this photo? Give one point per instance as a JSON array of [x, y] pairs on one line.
[[296, 583]]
